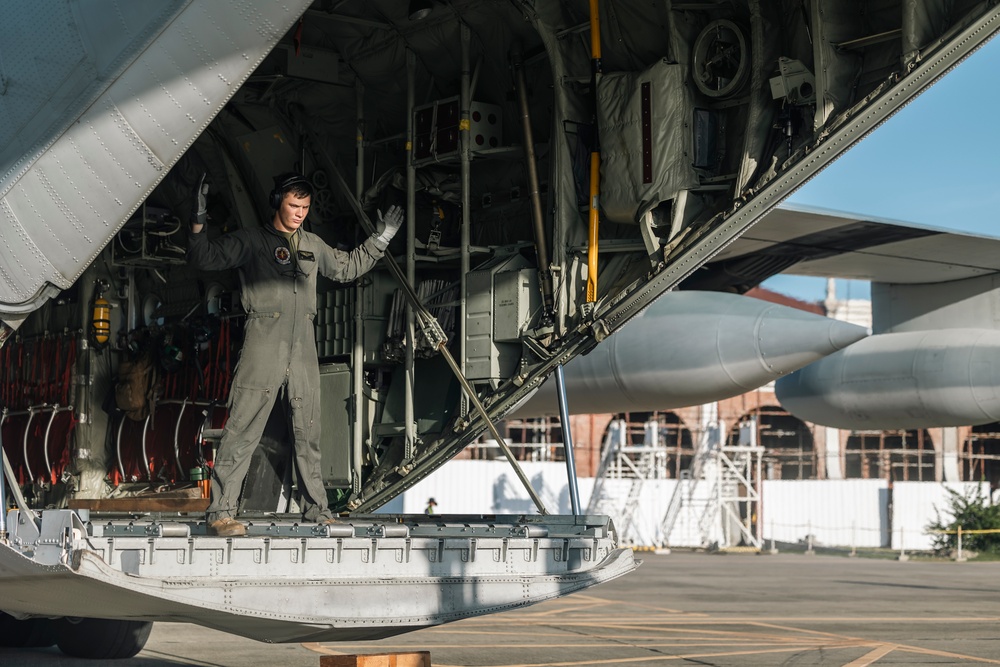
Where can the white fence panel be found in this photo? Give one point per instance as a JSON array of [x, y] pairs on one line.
[[916, 504], [699, 520], [648, 514], [492, 487], [850, 512], [842, 513]]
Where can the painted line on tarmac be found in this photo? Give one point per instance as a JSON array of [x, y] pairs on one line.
[[810, 631], [597, 602], [496, 633], [160, 655], [351, 649], [893, 646], [944, 654], [663, 658], [645, 640], [750, 620], [570, 610], [752, 631], [316, 647], [889, 648], [873, 656], [638, 605], [580, 596], [665, 635]]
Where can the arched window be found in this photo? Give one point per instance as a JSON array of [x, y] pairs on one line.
[[980, 457], [789, 452], [892, 455], [657, 442], [531, 439]]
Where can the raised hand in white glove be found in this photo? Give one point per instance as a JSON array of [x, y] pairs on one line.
[[200, 216], [388, 225]]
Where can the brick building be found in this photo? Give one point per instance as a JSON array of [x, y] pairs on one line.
[[793, 449]]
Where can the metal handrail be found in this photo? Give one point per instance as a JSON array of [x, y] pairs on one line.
[[27, 430], [177, 435], [45, 446], [8, 474]]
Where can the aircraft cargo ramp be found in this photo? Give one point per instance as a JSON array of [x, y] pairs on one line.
[[286, 582]]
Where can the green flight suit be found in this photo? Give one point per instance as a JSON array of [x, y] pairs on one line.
[[279, 349]]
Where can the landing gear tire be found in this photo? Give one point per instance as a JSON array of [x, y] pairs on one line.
[[102, 639], [29, 633]]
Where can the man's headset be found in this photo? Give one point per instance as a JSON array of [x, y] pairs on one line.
[[285, 183]]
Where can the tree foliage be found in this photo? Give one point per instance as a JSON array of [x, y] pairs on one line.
[[972, 511]]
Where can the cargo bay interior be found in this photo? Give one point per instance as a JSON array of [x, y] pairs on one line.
[[176, 333]]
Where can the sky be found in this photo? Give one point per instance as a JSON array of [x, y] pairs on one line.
[[935, 163]]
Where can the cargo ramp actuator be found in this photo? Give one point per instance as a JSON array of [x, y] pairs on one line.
[[556, 186]]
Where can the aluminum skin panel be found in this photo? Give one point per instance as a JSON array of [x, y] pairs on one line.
[[960, 304], [134, 93]]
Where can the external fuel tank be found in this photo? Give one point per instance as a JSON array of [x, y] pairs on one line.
[[915, 379], [690, 348]]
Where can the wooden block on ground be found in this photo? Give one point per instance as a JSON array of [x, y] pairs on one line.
[[416, 659]]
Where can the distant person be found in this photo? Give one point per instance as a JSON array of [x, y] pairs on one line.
[[431, 504], [278, 264]]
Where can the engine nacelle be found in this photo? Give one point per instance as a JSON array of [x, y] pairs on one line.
[[690, 348], [917, 379]]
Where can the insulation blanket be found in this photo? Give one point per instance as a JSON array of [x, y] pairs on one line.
[[646, 140]]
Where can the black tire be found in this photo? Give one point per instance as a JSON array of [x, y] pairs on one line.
[[102, 638], [29, 633]]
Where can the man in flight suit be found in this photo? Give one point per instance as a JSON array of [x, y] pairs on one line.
[[278, 264]]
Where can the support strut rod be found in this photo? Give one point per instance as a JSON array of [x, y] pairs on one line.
[[436, 336], [537, 219], [567, 434], [8, 474]]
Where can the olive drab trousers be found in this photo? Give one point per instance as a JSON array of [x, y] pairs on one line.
[[257, 384]]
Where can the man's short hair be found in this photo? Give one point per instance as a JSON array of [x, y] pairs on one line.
[[297, 184]]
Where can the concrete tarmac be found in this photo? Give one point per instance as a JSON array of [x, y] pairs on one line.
[[677, 609]]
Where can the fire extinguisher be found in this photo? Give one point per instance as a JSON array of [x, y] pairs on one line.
[[100, 324]]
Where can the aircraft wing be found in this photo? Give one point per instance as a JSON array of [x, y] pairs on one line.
[[930, 362], [810, 241]]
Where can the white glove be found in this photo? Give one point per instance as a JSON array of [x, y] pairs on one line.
[[388, 225], [201, 202]]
